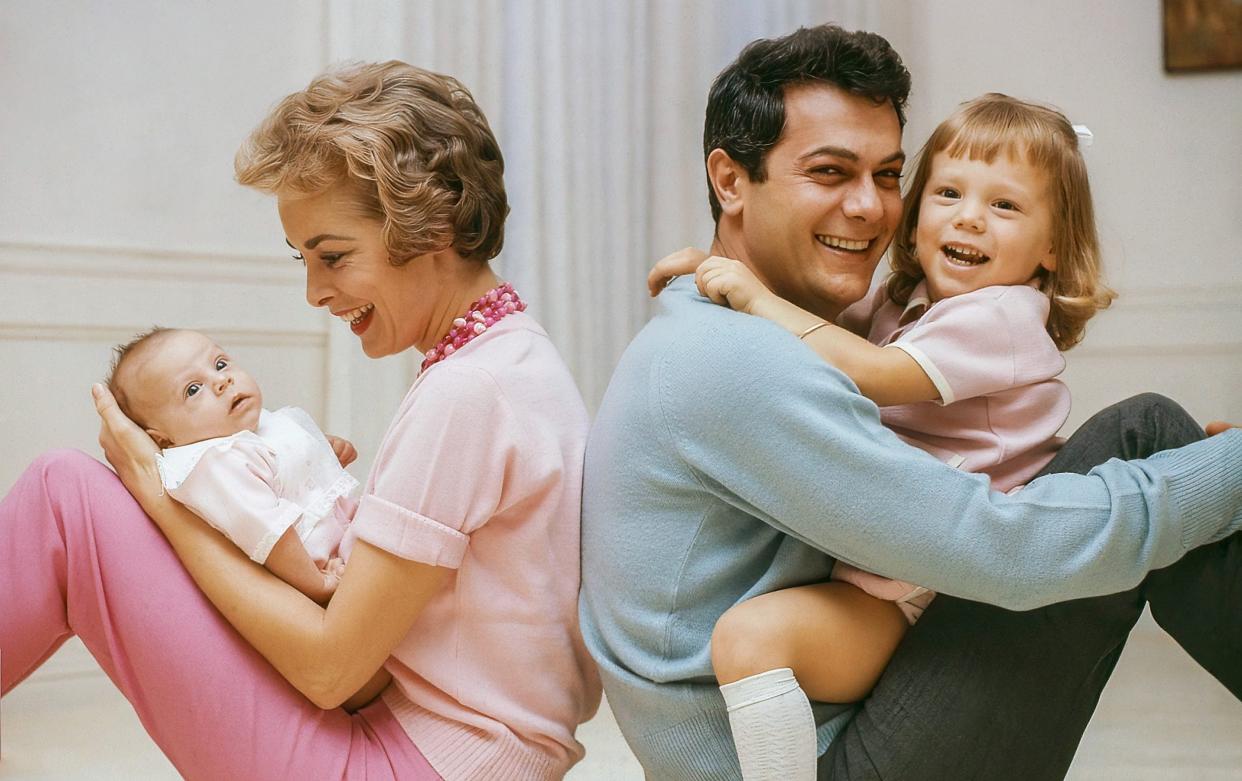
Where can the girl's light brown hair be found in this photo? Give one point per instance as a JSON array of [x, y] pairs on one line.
[[412, 146], [994, 124]]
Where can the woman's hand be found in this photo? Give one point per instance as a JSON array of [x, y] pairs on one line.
[[128, 448], [1218, 426], [669, 267]]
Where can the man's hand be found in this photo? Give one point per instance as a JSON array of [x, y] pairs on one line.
[[344, 449], [128, 448], [1217, 426], [671, 266]]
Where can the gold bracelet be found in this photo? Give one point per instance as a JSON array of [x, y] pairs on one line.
[[813, 329]]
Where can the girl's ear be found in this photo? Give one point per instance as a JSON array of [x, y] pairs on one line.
[[728, 180], [161, 441], [1049, 261]]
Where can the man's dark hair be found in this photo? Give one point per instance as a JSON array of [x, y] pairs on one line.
[[746, 105]]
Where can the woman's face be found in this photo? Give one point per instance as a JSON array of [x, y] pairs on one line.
[[347, 270]]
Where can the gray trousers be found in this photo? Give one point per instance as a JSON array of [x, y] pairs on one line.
[[978, 692]]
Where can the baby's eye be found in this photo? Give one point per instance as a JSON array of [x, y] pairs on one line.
[[192, 389], [1007, 205], [948, 192], [221, 364]]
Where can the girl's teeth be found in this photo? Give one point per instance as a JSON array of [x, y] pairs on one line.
[[963, 255]]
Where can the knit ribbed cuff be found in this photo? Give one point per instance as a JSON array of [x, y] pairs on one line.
[[1205, 485]]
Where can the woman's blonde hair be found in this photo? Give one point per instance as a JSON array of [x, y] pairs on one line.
[[980, 130], [412, 145]]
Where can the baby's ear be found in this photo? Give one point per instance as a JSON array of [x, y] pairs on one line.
[[161, 441]]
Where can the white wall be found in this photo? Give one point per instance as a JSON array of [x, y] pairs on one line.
[[118, 210], [1166, 173]]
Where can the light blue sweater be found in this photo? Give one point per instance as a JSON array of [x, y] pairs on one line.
[[727, 460]]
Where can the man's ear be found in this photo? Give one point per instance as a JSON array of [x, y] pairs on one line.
[[728, 179], [161, 441]]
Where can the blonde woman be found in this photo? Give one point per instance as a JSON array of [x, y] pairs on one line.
[[458, 596]]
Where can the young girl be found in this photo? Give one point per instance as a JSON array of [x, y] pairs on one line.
[[995, 272], [269, 481]]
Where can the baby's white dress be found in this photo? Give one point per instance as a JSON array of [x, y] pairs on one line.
[[252, 486]]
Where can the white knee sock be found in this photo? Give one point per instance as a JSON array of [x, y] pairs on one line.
[[772, 725]]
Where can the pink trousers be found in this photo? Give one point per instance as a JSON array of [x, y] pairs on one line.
[[79, 557]]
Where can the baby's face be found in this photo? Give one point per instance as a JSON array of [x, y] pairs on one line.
[[188, 390]]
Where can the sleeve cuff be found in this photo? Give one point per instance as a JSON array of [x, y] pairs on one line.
[[938, 379], [407, 534], [1205, 483], [288, 515]]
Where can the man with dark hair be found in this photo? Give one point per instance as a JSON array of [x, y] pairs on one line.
[[728, 461]]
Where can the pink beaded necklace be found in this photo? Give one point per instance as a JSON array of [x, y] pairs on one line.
[[495, 304]]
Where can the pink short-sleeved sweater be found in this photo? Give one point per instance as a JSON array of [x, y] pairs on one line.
[[481, 472]]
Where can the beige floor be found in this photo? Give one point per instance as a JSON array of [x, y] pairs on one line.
[[1161, 719]]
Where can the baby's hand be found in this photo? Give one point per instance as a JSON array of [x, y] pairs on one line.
[[331, 572], [335, 566], [681, 262], [730, 283], [344, 449]]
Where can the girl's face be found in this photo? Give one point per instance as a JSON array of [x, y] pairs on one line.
[[982, 224], [389, 308]]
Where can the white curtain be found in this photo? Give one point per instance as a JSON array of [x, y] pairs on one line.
[[598, 107]]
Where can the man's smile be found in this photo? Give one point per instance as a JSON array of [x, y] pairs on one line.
[[840, 243]]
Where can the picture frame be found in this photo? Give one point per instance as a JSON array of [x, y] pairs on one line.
[[1202, 35]]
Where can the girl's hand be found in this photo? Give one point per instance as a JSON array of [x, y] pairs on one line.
[[730, 283], [681, 262], [1217, 426], [128, 448], [344, 449]]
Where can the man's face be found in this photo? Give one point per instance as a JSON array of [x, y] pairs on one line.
[[816, 227]]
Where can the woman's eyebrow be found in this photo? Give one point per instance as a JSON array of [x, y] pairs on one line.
[[314, 242]]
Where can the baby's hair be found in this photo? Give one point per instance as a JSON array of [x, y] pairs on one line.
[[980, 130], [120, 355]]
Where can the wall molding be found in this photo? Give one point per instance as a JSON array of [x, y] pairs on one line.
[[22, 332], [1180, 295], [104, 261], [1178, 349]]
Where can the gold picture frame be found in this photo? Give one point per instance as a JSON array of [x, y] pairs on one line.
[[1202, 35]]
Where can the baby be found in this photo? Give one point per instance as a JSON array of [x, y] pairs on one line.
[[269, 481]]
